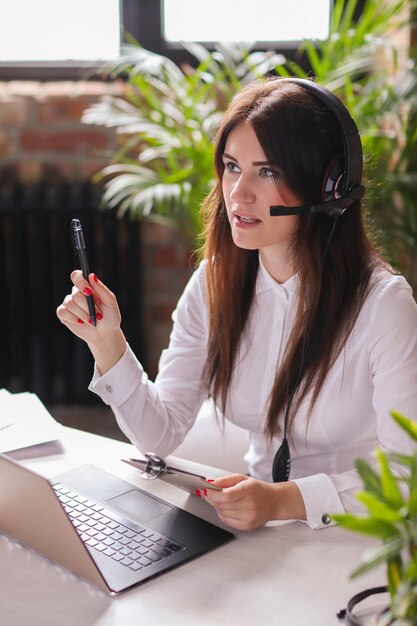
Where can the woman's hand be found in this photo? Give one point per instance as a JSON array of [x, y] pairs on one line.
[[246, 503], [106, 340]]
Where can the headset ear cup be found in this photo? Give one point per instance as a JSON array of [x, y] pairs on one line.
[[333, 180]]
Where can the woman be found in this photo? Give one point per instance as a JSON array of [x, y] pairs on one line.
[[293, 324]]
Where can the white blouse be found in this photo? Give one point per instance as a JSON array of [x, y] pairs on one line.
[[375, 372]]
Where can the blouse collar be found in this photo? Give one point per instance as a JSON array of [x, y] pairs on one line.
[[264, 282]]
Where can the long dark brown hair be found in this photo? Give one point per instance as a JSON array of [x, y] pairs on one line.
[[301, 137]]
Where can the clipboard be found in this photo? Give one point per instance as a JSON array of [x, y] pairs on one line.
[[153, 467]]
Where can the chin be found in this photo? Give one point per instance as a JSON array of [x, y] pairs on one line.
[[245, 243]]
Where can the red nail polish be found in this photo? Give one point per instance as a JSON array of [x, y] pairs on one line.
[[89, 321], [210, 480], [198, 493], [205, 491], [79, 321], [87, 291], [95, 278], [99, 316]]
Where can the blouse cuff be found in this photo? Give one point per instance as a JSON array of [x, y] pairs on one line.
[[321, 500], [118, 384]]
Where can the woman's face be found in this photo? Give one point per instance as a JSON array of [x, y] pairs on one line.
[[249, 189]]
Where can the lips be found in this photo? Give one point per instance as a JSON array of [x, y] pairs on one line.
[[245, 219]]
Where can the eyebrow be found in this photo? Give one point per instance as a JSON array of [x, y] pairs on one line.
[[229, 156]]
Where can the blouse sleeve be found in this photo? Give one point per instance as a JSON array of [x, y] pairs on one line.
[[392, 345], [157, 416]]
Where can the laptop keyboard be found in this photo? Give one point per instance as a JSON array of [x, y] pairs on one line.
[[100, 529]]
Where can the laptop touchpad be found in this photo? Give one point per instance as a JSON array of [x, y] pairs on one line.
[[138, 505]]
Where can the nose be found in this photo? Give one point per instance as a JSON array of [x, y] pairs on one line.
[[242, 192]]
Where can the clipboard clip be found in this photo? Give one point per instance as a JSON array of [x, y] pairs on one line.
[[154, 466]]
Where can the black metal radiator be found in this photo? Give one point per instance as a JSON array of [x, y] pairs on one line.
[[36, 257]]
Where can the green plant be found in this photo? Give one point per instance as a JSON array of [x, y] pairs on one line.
[[168, 116], [167, 119], [390, 497], [363, 63]]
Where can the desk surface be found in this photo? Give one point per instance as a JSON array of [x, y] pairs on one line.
[[277, 575]]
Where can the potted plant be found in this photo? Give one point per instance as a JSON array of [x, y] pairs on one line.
[[390, 500]]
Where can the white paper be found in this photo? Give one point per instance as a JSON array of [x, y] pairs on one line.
[[25, 422]]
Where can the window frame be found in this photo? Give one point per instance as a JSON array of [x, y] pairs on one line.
[[142, 19]]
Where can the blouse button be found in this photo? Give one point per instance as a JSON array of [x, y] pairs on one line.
[[109, 388], [326, 519]]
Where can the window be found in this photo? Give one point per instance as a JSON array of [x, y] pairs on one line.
[[52, 30], [262, 21], [61, 39]]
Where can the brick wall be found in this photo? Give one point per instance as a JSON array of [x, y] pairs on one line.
[[41, 136], [42, 139], [167, 267]]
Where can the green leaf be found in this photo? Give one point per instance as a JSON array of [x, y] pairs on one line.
[[411, 570], [365, 525], [394, 571], [375, 556], [406, 424], [378, 509], [389, 484], [370, 478], [400, 459], [314, 58], [412, 501]]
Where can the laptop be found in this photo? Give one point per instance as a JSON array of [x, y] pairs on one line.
[[100, 527]]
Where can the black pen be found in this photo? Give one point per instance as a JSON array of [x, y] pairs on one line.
[[79, 244]]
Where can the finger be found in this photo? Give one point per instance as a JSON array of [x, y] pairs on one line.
[[83, 285], [228, 493], [80, 300], [231, 513], [234, 522], [103, 293], [227, 481], [222, 509], [78, 280], [228, 517], [226, 498], [85, 288], [67, 318], [77, 304], [245, 516], [70, 311]]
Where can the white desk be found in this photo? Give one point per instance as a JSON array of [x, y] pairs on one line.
[[284, 575]]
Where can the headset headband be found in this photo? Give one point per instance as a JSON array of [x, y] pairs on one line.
[[345, 186], [352, 145]]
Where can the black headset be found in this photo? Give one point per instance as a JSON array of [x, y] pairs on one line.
[[342, 182], [341, 187]]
